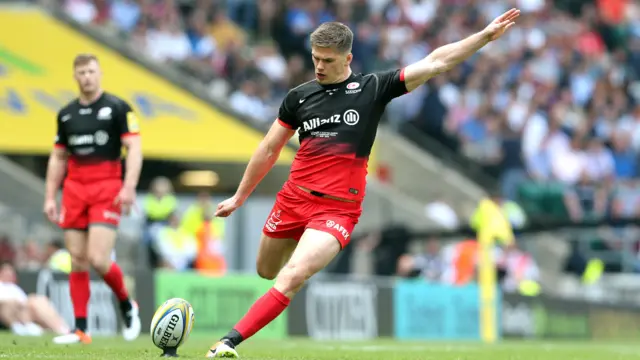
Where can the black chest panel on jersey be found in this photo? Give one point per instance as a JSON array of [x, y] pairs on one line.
[[346, 108], [93, 131], [347, 113]]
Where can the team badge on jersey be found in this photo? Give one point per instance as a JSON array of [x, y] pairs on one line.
[[352, 88], [132, 122], [104, 113]]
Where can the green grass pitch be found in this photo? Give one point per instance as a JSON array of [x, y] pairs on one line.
[[12, 347]]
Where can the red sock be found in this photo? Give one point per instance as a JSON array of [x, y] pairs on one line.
[[262, 312], [80, 293], [115, 280]]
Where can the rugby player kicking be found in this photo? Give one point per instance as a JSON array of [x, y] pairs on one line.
[[336, 116], [91, 131]]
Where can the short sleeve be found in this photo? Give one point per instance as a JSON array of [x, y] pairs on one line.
[[61, 136], [390, 85], [286, 114], [127, 121]]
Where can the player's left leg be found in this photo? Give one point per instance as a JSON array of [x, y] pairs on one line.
[[104, 218], [314, 252], [102, 238]]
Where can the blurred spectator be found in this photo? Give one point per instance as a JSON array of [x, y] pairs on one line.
[[519, 268], [625, 159], [386, 246], [125, 14], [248, 101], [168, 43], [57, 257], [26, 315], [442, 213], [194, 217], [586, 199], [175, 247], [159, 205], [429, 266], [83, 11], [7, 250], [30, 258], [210, 259]]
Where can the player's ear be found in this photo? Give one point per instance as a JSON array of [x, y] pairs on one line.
[[349, 58]]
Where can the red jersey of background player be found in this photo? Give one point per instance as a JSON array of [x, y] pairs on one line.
[[337, 124], [92, 136]]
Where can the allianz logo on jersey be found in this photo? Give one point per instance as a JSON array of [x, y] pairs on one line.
[[101, 137], [349, 117]]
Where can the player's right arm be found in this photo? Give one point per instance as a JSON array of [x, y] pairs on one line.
[[448, 56], [264, 157], [55, 171]]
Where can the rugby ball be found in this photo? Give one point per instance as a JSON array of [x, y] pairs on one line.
[[172, 323]]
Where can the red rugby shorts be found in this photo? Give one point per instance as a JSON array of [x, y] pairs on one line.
[[296, 210], [85, 204]]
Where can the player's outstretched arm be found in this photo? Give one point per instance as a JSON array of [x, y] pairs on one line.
[[448, 56], [263, 159]]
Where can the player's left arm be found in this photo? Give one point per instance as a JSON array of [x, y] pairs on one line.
[[448, 56], [130, 135]]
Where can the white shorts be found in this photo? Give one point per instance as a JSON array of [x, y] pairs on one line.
[[12, 292]]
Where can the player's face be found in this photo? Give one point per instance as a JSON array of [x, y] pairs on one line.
[[331, 65], [88, 77]]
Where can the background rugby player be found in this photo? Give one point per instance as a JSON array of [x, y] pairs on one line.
[[91, 132], [336, 115]]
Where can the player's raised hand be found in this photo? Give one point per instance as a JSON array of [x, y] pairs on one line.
[[125, 199], [226, 207], [501, 24], [50, 209]]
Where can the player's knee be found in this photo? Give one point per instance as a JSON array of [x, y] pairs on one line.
[[267, 274], [79, 263], [292, 277], [100, 262], [265, 271]]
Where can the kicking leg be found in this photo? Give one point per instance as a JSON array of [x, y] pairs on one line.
[[79, 286], [314, 252], [102, 240], [272, 255]]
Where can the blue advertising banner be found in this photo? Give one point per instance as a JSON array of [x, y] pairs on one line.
[[426, 311]]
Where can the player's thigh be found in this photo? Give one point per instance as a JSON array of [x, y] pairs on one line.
[[74, 212], [340, 225], [102, 208], [282, 229], [104, 218], [315, 250], [76, 243], [102, 240], [273, 253]]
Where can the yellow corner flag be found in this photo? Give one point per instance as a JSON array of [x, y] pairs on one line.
[[490, 225]]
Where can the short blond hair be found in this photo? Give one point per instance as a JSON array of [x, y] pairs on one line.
[[83, 59], [333, 34]]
